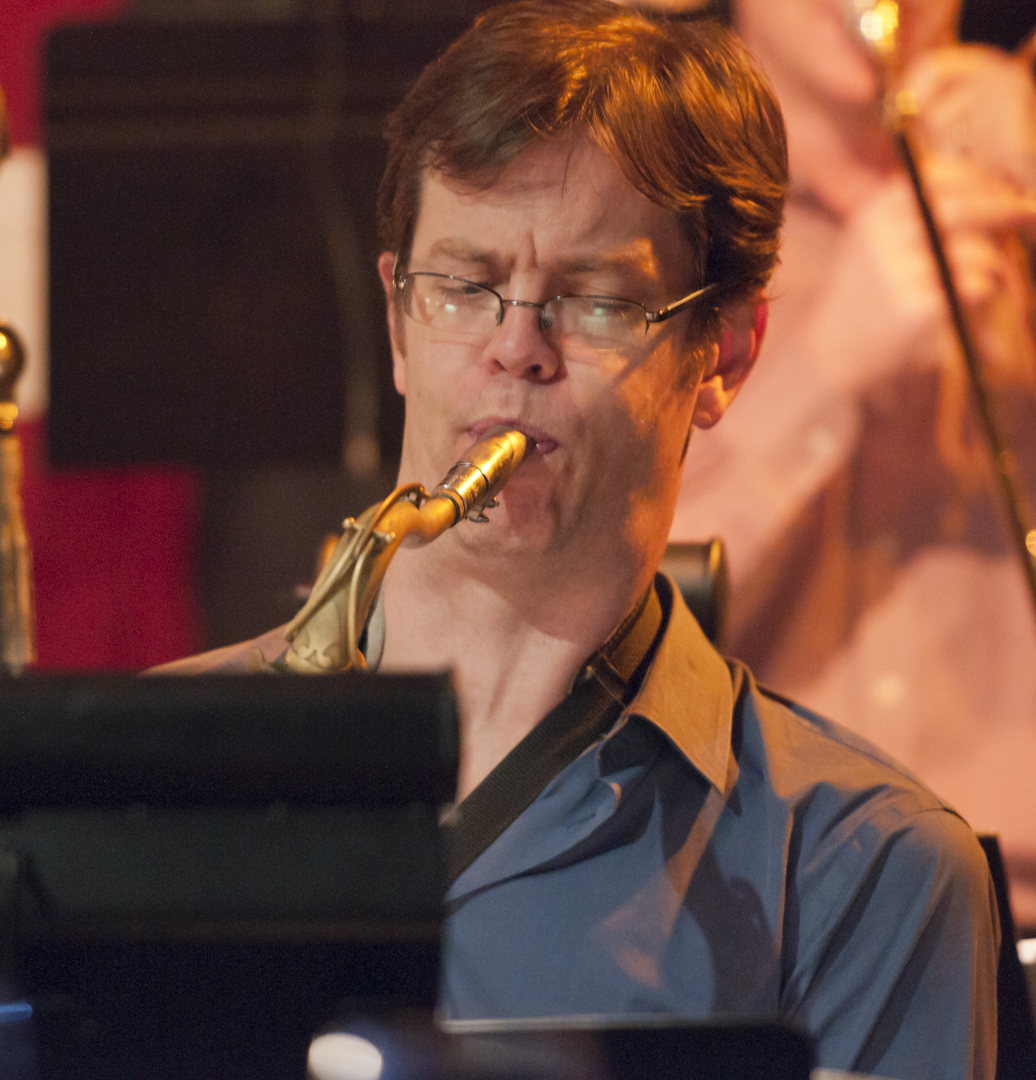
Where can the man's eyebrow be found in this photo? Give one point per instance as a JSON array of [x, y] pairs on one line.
[[457, 249], [589, 264], [629, 259]]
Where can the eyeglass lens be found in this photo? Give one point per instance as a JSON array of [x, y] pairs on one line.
[[474, 311]]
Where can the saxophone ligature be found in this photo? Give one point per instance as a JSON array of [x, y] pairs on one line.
[[324, 636]]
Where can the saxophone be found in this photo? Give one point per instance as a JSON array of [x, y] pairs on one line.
[[323, 638], [17, 618]]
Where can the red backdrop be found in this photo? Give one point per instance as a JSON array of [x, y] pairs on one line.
[[114, 550], [23, 28]]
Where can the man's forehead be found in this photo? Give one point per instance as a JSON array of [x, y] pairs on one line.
[[569, 197], [640, 254], [571, 170]]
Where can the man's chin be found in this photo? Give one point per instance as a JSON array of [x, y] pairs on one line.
[[522, 526]]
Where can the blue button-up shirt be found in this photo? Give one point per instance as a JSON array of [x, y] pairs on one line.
[[722, 853]]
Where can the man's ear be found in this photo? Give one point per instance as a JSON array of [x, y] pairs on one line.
[[730, 360], [386, 268]]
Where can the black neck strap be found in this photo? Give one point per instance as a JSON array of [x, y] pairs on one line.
[[604, 686]]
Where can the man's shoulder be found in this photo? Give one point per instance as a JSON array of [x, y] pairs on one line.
[[800, 750], [713, 710], [856, 812]]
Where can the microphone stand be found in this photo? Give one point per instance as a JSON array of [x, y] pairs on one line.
[[877, 24], [17, 621], [1005, 464]]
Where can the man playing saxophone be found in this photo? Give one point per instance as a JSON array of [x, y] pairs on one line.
[[580, 213]]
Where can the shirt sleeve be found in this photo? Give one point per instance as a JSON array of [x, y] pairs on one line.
[[900, 979]]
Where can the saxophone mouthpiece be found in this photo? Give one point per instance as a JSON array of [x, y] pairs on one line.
[[477, 479]]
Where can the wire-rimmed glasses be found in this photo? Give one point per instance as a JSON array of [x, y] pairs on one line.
[[473, 312]]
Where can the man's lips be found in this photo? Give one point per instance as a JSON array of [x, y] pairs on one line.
[[539, 441]]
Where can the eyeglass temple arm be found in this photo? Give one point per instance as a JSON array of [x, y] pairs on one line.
[[674, 309]]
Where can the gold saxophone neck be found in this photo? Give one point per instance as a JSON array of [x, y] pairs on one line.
[[323, 638]]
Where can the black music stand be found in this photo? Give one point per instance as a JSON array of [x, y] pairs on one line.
[[571, 1048], [1016, 1027], [197, 874]]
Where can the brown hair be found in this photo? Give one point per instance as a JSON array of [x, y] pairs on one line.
[[679, 107]]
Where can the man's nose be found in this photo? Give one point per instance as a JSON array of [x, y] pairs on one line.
[[519, 346]]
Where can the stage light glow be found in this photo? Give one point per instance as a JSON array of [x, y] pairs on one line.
[[341, 1056], [14, 1011], [878, 23]]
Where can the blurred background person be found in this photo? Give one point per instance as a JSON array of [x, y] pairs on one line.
[[872, 574]]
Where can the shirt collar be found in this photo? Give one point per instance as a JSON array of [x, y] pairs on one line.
[[687, 692]]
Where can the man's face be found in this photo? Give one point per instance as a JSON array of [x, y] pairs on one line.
[[608, 433], [809, 41]]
